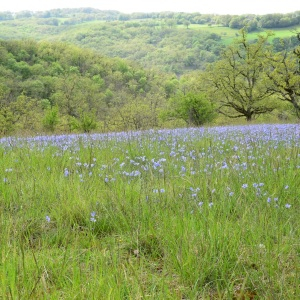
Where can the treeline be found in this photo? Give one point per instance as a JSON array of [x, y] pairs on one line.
[[79, 15], [83, 14], [253, 22]]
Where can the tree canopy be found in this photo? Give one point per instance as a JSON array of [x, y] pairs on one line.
[[238, 79]]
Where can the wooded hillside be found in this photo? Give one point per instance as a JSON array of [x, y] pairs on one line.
[[39, 82], [173, 74], [166, 41]]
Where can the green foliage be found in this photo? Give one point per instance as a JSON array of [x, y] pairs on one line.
[[6, 120], [193, 108], [87, 122], [237, 82], [51, 119], [84, 87], [284, 74], [279, 20], [20, 113], [157, 40], [79, 82]]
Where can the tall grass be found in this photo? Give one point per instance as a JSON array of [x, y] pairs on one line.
[[179, 214]]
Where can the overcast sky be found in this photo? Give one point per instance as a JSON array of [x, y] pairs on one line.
[[128, 6]]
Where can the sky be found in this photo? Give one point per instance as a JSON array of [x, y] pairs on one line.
[[222, 7]]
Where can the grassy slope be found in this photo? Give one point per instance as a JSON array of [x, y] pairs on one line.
[[229, 34]]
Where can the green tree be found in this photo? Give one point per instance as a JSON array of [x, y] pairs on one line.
[[237, 81], [283, 70], [171, 23], [21, 112], [87, 122], [51, 119], [186, 23], [193, 108]]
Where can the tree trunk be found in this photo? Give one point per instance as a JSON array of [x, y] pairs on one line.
[[249, 117]]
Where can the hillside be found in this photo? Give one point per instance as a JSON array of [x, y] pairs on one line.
[[55, 86], [136, 72], [176, 43]]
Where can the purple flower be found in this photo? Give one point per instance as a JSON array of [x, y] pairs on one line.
[[156, 165], [66, 172], [288, 205], [245, 185], [172, 153], [93, 216], [48, 219], [224, 165]]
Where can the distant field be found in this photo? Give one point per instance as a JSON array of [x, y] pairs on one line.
[[229, 34]]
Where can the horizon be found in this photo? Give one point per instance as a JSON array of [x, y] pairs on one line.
[[218, 7]]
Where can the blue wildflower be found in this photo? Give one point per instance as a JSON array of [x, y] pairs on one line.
[[93, 216], [66, 172]]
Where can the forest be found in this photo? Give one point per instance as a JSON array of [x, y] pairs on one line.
[[80, 70]]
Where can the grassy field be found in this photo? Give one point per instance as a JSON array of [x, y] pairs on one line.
[[172, 214], [229, 34]]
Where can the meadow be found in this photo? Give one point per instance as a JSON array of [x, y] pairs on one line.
[[197, 213], [229, 34]]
